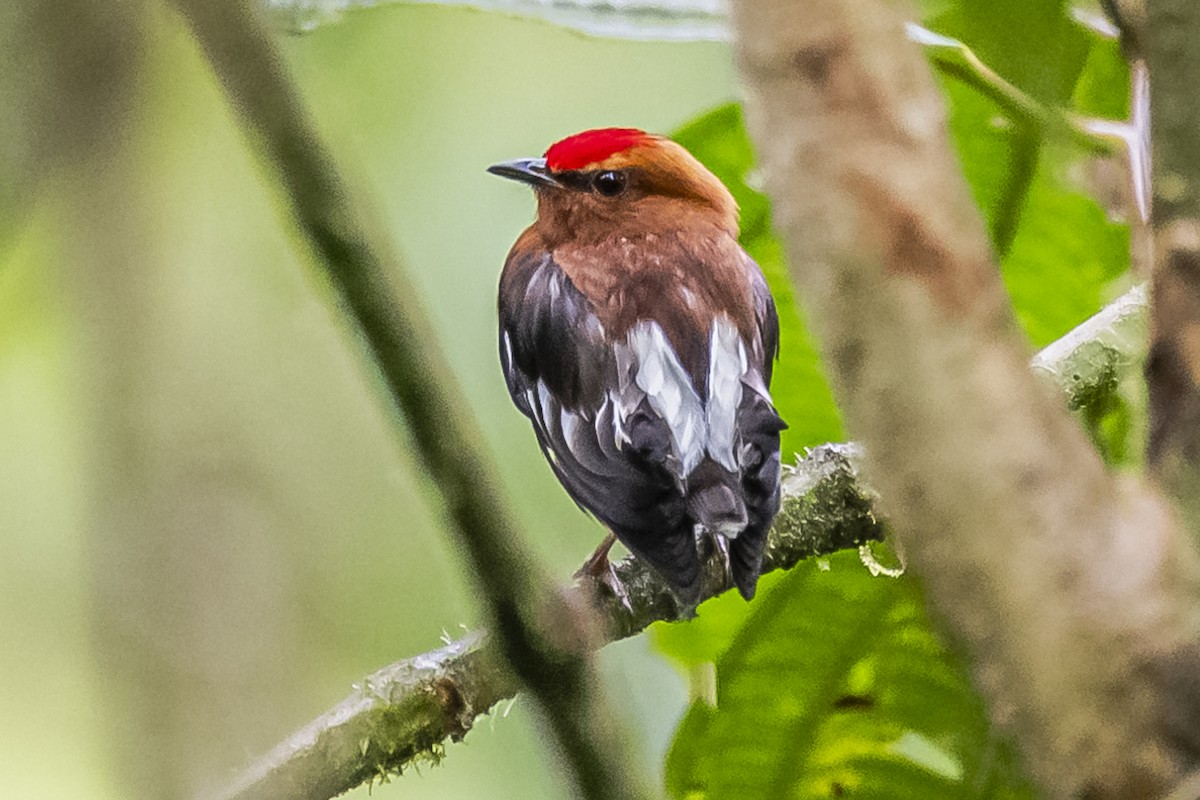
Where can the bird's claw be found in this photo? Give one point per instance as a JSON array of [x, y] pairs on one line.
[[721, 547], [600, 570], [610, 580]]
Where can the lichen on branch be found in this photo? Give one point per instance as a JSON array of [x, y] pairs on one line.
[[404, 713]]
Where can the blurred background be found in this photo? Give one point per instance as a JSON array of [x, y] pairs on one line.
[[208, 526], [210, 523]]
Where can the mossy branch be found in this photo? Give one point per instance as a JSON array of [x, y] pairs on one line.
[[404, 713]]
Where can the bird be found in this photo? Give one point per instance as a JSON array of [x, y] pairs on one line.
[[639, 338]]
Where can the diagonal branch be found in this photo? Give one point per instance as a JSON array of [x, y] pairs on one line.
[[403, 713], [552, 663], [1071, 589]]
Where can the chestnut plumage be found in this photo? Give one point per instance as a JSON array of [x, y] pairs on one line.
[[639, 338]]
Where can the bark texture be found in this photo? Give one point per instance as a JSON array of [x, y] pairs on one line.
[[1071, 589], [1173, 370]]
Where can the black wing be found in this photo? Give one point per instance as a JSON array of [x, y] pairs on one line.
[[760, 426], [562, 374], [767, 318]]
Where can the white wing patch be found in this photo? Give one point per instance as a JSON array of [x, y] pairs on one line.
[[556, 423], [508, 353], [727, 365], [648, 367]]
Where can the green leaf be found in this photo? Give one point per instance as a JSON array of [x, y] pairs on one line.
[[835, 687], [1034, 44], [799, 389], [1103, 88], [911, 725], [1061, 251], [1062, 255], [1066, 254], [707, 636], [1064, 251]]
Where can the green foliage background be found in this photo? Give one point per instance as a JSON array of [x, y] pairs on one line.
[[832, 683]]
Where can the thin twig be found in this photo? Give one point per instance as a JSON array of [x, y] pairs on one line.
[[1032, 121], [403, 713], [956, 59], [360, 263]]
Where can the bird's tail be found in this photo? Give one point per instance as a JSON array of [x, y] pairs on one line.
[[718, 505]]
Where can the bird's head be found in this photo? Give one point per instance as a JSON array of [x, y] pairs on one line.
[[621, 181]]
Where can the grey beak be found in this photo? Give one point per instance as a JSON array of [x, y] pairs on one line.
[[526, 170]]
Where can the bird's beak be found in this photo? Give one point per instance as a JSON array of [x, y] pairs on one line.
[[526, 170]]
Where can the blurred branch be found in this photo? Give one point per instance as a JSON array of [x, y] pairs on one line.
[[551, 660], [1089, 361], [1070, 589], [638, 20], [1173, 369], [403, 713], [1129, 17]]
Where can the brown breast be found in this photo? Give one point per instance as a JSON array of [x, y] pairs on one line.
[[682, 279]]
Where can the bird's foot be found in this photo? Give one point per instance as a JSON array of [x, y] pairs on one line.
[[600, 570], [720, 546], [598, 562], [609, 579]]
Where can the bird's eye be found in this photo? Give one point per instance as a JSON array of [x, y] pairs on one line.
[[609, 184]]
